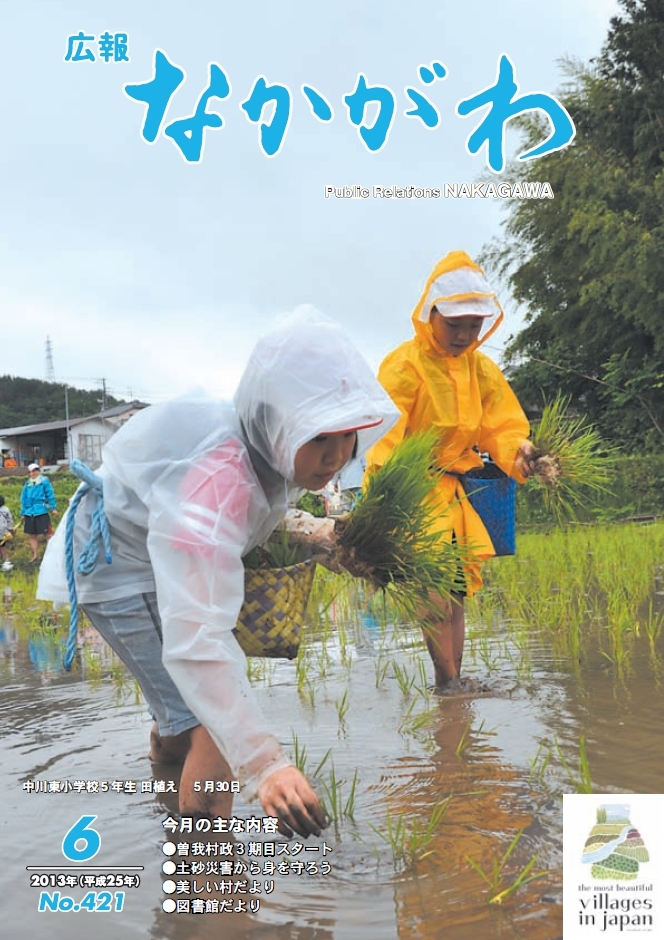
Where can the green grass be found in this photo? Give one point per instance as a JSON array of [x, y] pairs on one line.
[[335, 806], [410, 838], [590, 590], [500, 888], [580, 780], [342, 705]]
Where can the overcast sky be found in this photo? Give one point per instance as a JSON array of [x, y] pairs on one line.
[[157, 274]]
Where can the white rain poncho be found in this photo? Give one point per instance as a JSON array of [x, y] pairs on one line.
[[191, 486]]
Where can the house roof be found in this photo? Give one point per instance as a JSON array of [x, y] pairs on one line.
[[57, 425], [120, 409], [35, 428]]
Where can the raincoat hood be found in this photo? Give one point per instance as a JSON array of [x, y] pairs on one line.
[[303, 379], [457, 287]]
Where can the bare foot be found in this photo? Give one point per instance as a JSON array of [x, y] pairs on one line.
[[447, 685], [444, 679], [464, 686]]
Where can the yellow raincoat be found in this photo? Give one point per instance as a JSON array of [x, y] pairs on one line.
[[465, 398]]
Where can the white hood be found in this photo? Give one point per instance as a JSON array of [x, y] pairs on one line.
[[306, 378]]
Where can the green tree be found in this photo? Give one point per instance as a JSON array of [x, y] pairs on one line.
[[589, 265], [31, 401]]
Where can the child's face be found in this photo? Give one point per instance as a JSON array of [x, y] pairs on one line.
[[317, 461], [455, 334]]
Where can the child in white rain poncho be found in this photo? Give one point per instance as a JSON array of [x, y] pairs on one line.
[[189, 488]]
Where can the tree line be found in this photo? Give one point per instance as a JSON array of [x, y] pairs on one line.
[[31, 401], [588, 266]]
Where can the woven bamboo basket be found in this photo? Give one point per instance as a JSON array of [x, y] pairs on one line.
[[272, 616]]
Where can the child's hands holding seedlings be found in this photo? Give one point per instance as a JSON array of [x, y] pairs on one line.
[[317, 535], [305, 529], [289, 796], [525, 460]]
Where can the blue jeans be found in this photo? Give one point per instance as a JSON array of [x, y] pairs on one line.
[[132, 628]]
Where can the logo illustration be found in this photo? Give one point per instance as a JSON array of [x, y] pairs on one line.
[[614, 847]]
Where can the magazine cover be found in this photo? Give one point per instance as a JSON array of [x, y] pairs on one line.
[[252, 254]]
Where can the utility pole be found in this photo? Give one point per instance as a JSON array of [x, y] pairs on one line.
[[67, 428], [103, 393]]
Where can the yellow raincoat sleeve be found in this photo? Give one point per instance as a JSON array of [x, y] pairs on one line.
[[504, 425], [403, 384]]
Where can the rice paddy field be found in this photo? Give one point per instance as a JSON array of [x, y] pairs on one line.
[[445, 810]]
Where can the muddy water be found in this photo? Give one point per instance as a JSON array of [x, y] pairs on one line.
[[411, 750]]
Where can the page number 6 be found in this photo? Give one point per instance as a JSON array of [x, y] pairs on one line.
[[81, 842]]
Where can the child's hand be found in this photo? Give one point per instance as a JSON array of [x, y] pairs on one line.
[[289, 796], [308, 530], [525, 459], [316, 535]]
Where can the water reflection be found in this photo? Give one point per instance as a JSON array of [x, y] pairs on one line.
[[491, 803], [410, 750]]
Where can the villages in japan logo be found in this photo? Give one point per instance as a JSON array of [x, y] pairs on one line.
[[615, 851]]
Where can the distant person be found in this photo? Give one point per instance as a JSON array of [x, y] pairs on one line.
[[6, 534], [37, 500], [349, 481], [440, 380], [343, 492]]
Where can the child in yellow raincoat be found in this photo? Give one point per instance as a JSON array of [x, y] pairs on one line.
[[440, 380]]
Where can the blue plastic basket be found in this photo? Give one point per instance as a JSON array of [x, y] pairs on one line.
[[492, 495]]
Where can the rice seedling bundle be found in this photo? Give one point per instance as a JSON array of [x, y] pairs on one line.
[[571, 460], [389, 538]]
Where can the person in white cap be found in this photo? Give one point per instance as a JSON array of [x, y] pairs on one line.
[[440, 379], [189, 488], [37, 501]]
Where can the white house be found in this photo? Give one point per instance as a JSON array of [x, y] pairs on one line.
[[50, 443]]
